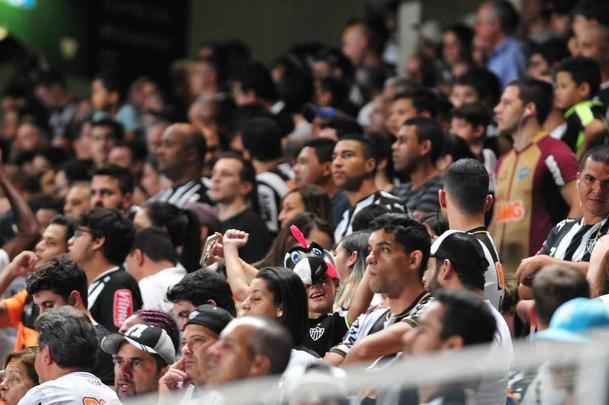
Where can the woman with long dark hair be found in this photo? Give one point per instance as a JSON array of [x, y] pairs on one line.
[[279, 293]]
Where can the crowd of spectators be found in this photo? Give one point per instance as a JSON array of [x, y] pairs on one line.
[[326, 210]]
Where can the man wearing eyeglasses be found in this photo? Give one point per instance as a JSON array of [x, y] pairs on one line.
[[99, 246]]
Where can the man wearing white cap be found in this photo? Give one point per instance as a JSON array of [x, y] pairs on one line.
[[141, 356]]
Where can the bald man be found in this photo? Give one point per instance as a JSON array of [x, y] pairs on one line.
[[181, 156]]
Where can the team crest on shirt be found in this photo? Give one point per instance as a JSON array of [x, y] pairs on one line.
[[316, 333], [590, 245], [523, 173]]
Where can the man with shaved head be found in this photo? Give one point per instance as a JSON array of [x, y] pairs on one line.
[[181, 156]]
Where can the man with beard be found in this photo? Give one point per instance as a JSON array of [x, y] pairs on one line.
[[353, 170], [416, 151], [141, 356], [536, 184]]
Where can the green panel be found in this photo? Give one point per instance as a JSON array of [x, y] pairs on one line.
[[43, 26]]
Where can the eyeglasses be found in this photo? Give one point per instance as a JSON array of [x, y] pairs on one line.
[[81, 231]]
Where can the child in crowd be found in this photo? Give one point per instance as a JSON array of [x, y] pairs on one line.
[[470, 123], [576, 82]]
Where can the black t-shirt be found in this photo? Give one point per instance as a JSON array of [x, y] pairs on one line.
[[104, 367], [325, 332], [113, 298], [260, 239]]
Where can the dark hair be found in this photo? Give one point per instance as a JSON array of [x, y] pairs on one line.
[[118, 232], [428, 129], [290, 295], [582, 70], [155, 243], [552, 50], [323, 147], [61, 276], [597, 154], [423, 100], [124, 177], [409, 233], [484, 82], [467, 316], [457, 148], [117, 132], [467, 182], [70, 337], [553, 286], [273, 340], [262, 139], [315, 200], [338, 88], [162, 320], [201, 286], [466, 257], [364, 218], [67, 223], [109, 80], [465, 36], [306, 222], [77, 170], [364, 140], [537, 92], [254, 76], [475, 114], [183, 228], [593, 10], [507, 15], [26, 358]]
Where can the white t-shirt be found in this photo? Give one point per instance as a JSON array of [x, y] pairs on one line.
[[154, 288], [77, 388], [492, 389]]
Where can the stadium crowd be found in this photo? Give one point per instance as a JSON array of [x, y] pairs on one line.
[[325, 211]]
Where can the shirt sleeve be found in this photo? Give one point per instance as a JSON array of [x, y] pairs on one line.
[[14, 309], [561, 164]]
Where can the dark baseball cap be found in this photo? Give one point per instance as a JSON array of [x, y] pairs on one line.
[[150, 339], [462, 249], [212, 317]]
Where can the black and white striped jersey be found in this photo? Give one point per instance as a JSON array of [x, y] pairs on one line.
[[382, 198], [192, 191], [573, 240], [494, 279]]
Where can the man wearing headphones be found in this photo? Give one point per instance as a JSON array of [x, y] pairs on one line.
[[536, 180]]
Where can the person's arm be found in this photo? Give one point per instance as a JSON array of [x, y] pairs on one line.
[[382, 343], [361, 300], [22, 265], [531, 265], [236, 269], [599, 264], [27, 226], [593, 131], [569, 193]]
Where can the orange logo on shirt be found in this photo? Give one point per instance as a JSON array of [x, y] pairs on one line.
[[509, 211], [92, 401]]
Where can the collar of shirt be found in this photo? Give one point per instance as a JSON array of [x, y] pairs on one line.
[[105, 273]]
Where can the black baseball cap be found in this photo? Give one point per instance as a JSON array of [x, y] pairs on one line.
[[212, 317], [150, 339], [462, 249]]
